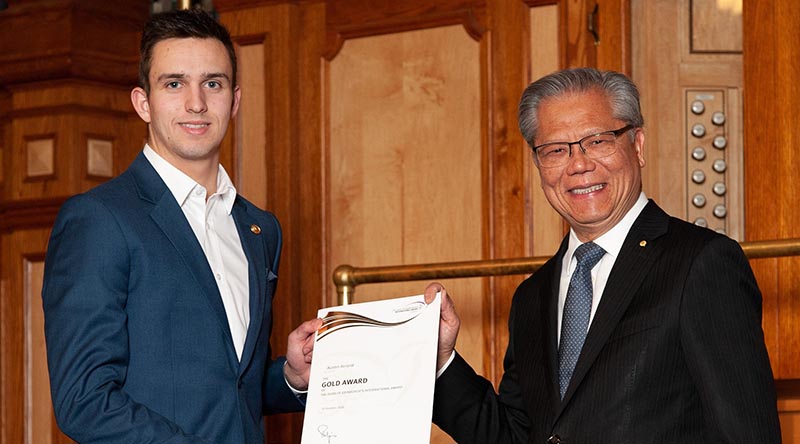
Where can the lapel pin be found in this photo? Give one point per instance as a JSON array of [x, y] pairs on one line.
[[255, 229], [643, 243]]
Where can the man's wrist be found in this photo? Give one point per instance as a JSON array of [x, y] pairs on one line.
[[289, 384], [446, 364]]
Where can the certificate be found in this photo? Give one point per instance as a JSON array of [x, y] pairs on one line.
[[373, 373]]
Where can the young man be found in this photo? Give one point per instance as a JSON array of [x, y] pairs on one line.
[[158, 284], [642, 328]]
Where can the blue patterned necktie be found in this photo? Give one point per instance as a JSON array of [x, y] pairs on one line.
[[577, 308]]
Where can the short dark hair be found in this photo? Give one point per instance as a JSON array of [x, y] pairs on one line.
[[181, 24], [620, 90]]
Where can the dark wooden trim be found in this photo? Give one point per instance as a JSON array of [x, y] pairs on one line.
[[250, 39], [533, 3], [236, 5], [31, 213], [71, 109]]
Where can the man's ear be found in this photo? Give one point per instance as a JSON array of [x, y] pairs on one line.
[[237, 95], [638, 145], [141, 103]]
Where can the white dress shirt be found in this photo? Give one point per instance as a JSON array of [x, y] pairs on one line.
[[212, 223], [611, 242]]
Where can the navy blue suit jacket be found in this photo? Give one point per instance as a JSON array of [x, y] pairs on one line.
[[675, 353], [138, 344]]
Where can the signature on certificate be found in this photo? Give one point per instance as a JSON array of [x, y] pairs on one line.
[[325, 434]]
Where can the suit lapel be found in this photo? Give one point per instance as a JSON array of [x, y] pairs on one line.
[[170, 219], [253, 246], [637, 255]]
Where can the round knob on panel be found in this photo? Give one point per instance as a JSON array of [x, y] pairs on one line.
[[720, 188], [718, 118], [698, 130], [699, 200], [701, 222], [720, 166], [720, 142], [698, 153], [720, 211], [698, 176], [698, 107]]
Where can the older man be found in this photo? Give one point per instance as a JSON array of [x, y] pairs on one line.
[[642, 328]]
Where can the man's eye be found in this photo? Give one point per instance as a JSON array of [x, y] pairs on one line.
[[213, 84], [553, 150], [601, 140], [173, 85]]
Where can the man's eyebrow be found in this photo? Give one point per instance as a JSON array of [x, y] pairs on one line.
[[178, 76], [204, 76], [215, 75]]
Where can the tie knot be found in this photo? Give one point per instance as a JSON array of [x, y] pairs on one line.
[[589, 254]]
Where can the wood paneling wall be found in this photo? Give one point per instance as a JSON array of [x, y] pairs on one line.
[[285, 151], [771, 134], [66, 124]]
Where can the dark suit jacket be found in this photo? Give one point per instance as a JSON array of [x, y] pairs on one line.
[[138, 344], [674, 354]]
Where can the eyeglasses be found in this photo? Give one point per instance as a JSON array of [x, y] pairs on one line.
[[596, 146]]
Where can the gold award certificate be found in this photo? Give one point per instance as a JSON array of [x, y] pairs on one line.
[[373, 373]]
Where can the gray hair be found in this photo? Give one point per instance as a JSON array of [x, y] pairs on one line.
[[621, 91]]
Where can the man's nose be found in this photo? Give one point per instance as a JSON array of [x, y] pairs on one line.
[[196, 102], [578, 161]]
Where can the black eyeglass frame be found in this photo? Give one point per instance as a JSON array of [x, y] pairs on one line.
[[616, 133]]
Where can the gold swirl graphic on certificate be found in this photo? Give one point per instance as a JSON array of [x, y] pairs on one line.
[[337, 320], [373, 373]]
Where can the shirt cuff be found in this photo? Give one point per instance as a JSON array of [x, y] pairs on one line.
[[303, 392], [441, 370]]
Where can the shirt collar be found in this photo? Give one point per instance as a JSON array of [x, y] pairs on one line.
[[181, 185], [612, 240]]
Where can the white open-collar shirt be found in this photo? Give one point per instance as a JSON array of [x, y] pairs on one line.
[[611, 242], [212, 223]]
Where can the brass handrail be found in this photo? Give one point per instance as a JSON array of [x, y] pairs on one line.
[[347, 277]]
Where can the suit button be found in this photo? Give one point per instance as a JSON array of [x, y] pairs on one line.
[[555, 439]]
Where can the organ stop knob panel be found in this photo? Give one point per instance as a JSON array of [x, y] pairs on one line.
[[709, 155]]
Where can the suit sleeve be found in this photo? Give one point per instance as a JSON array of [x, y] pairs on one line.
[[84, 295], [466, 406], [724, 346]]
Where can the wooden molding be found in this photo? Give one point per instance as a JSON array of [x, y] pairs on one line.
[[26, 214], [250, 39], [234, 5], [347, 20], [71, 109], [101, 41]]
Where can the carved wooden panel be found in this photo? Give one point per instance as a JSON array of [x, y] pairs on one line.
[[26, 410], [39, 421], [99, 156], [683, 94], [716, 26], [251, 138], [39, 157], [405, 161]]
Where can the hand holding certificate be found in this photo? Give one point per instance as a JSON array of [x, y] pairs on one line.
[[373, 373]]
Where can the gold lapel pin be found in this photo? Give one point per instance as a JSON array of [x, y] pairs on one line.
[[643, 243], [255, 229]]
